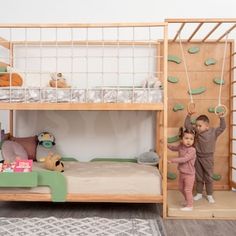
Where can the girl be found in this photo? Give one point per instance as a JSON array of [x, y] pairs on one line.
[[186, 160]]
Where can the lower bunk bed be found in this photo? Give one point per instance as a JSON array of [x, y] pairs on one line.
[[99, 181]]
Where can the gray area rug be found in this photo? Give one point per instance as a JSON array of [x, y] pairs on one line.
[[89, 226]]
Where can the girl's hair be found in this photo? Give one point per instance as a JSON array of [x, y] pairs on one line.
[[183, 131]]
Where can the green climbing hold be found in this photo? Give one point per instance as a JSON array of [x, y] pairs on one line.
[[218, 110], [172, 79], [171, 175], [173, 139], [197, 91], [174, 59], [217, 80], [3, 69], [193, 50], [216, 177], [178, 107], [210, 61], [193, 120]]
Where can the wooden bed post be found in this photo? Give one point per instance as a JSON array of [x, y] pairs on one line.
[[164, 173], [11, 120], [231, 115]]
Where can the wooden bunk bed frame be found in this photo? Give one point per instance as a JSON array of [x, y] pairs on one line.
[[164, 127], [161, 113]]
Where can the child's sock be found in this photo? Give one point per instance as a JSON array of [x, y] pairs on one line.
[[210, 199], [197, 197]]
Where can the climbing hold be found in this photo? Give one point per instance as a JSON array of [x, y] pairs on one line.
[[216, 177], [197, 91], [172, 79], [174, 59], [178, 107], [193, 50], [218, 110], [173, 139], [171, 175], [193, 120], [3, 69], [217, 80], [210, 61]]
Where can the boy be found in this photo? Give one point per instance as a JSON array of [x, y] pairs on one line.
[[205, 147]]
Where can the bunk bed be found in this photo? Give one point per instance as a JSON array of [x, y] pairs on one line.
[[34, 52]]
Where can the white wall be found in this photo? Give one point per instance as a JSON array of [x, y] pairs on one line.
[[121, 134]]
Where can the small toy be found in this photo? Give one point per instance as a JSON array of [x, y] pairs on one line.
[[148, 158], [151, 82], [52, 162], [58, 81]]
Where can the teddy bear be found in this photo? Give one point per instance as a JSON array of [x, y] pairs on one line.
[[53, 162], [58, 81]]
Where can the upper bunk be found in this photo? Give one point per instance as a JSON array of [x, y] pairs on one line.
[[83, 66]]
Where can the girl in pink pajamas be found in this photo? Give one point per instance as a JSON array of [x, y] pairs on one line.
[[186, 160]]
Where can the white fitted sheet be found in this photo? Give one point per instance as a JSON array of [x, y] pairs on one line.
[[104, 178]]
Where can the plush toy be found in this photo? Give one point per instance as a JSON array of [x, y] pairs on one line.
[[46, 144], [151, 82], [148, 158], [8, 79], [58, 80], [52, 162]]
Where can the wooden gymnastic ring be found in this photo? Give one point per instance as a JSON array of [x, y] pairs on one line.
[[224, 108]]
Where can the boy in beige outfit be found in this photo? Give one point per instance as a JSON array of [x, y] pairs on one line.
[[205, 147]]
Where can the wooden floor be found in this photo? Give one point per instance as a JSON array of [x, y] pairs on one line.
[[144, 211], [223, 208]]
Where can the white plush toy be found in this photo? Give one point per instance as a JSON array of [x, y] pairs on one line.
[[151, 82]]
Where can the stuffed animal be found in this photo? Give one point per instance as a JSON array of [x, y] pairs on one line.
[[151, 82], [58, 81], [46, 144], [148, 158], [52, 162], [8, 79]]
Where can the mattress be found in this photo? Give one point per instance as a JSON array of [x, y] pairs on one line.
[[103, 178], [96, 95]]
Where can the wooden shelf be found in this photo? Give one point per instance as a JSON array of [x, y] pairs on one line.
[[83, 106]]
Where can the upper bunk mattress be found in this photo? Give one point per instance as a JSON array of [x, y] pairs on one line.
[[104, 178], [115, 95]]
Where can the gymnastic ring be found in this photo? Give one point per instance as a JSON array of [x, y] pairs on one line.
[[225, 110], [191, 107]]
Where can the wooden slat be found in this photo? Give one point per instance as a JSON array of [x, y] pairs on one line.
[[233, 111], [4, 43], [227, 32], [233, 168], [165, 116], [210, 33], [233, 139], [204, 20], [92, 25], [84, 197], [178, 32], [86, 43], [11, 122], [82, 106], [233, 82], [233, 68], [233, 153], [195, 31]]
